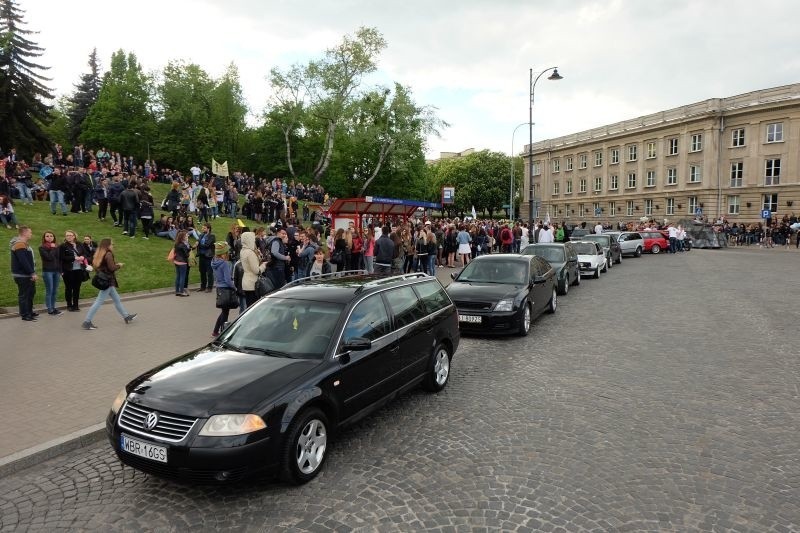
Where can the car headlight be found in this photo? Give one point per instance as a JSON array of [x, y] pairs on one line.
[[119, 400], [228, 425], [504, 305]]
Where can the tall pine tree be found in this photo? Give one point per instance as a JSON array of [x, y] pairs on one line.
[[23, 92], [86, 93]]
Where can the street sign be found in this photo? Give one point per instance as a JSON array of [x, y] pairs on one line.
[[698, 212], [765, 213]]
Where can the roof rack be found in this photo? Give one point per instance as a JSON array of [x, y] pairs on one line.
[[389, 279], [331, 275]]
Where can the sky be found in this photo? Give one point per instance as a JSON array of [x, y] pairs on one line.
[[469, 59]]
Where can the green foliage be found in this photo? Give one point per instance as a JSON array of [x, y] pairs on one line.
[[23, 93], [58, 128], [84, 97]]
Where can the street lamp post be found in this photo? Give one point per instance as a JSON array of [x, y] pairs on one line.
[[511, 194], [554, 76], [148, 144]]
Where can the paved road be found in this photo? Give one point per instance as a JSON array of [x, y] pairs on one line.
[[662, 397]]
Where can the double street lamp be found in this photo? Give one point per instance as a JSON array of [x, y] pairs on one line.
[[554, 77]]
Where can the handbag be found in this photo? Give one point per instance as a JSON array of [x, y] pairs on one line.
[[264, 285], [85, 275], [101, 280], [227, 298], [337, 257]]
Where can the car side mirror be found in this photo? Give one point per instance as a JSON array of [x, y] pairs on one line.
[[355, 344], [452, 275], [539, 279]]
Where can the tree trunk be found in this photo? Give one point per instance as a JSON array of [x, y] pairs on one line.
[[325, 158], [286, 132], [384, 153]]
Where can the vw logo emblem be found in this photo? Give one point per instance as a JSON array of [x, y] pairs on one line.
[[151, 421]]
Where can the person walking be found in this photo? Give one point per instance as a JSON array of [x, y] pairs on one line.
[[23, 270], [49, 252], [227, 298], [104, 263]]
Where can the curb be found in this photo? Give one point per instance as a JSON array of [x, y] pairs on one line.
[[18, 461]]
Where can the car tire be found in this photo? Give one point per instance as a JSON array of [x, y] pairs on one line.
[[577, 281], [563, 288], [605, 267], [619, 258], [305, 447], [552, 305], [596, 274], [439, 370], [655, 249], [638, 252], [609, 262]]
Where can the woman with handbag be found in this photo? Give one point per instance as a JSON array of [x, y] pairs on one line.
[[105, 280], [73, 269], [252, 266], [227, 298]]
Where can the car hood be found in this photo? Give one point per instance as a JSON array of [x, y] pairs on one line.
[[482, 292], [213, 380]]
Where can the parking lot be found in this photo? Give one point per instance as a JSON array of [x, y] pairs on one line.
[[662, 397]]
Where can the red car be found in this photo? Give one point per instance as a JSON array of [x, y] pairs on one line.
[[654, 241]]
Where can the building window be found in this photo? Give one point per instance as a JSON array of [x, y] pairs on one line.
[[651, 178], [598, 159], [615, 156], [582, 185], [569, 163], [614, 185], [651, 150], [672, 176], [695, 174], [612, 208], [581, 209], [582, 160], [556, 187], [648, 207], [672, 146], [733, 205], [775, 132], [737, 137], [569, 187], [697, 142], [597, 210], [631, 180], [629, 208], [737, 174], [566, 209], [556, 165], [692, 205], [536, 168], [598, 183], [670, 206], [772, 172], [632, 154], [770, 202]]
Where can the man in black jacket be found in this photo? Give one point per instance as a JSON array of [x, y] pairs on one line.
[[114, 192], [205, 253], [129, 201], [384, 252], [57, 189], [23, 270]]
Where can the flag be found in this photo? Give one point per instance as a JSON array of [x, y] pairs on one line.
[[239, 222], [474, 215], [220, 169]]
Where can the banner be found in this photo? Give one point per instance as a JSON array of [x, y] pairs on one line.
[[220, 169], [474, 215], [448, 195]]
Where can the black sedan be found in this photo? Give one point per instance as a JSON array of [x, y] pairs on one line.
[[563, 258], [270, 392], [503, 293]]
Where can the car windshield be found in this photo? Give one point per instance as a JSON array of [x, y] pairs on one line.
[[514, 273], [600, 239], [550, 253], [285, 327], [585, 248]]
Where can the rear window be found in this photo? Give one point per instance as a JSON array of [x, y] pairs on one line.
[[586, 248], [433, 296], [550, 253], [368, 320]]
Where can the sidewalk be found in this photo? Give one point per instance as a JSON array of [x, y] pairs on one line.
[[57, 381]]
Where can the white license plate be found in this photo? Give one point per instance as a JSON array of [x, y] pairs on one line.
[[472, 319], [143, 449]]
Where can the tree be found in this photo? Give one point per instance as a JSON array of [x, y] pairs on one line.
[[57, 130], [122, 114], [86, 94], [481, 180], [23, 92]]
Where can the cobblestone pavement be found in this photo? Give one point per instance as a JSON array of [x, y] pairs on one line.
[[662, 397]]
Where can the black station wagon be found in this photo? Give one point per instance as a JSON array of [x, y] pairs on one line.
[[271, 390]]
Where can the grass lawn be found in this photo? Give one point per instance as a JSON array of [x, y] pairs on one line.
[[145, 261]]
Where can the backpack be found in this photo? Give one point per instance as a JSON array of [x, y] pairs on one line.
[[267, 254]]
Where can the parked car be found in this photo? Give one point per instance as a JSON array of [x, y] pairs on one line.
[[591, 258], [610, 246], [270, 391], [630, 242], [503, 293], [563, 258], [654, 241], [577, 233]]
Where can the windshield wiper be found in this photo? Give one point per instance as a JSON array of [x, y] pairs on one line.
[[265, 351]]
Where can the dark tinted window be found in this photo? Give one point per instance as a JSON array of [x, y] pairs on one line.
[[405, 306], [543, 266], [551, 253], [369, 319], [432, 295]]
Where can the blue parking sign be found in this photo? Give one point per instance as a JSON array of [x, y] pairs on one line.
[[698, 212], [765, 213]]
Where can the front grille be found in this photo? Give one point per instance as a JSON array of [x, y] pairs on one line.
[[478, 306], [172, 428]]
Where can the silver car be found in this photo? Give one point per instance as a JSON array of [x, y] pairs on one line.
[[630, 242]]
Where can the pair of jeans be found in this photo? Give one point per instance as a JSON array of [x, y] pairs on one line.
[[130, 221], [181, 272], [51, 280], [26, 290], [232, 208], [25, 193], [369, 263], [221, 319], [102, 296], [57, 197], [206, 274]]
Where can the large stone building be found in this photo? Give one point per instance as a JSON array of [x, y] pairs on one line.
[[731, 157]]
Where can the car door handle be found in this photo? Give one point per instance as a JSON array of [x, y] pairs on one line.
[[395, 349]]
